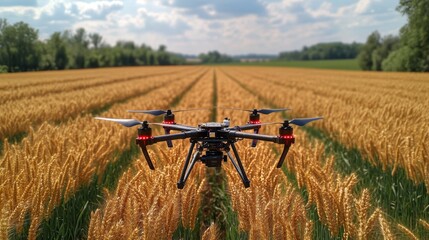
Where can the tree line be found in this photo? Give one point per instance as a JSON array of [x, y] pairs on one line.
[[407, 52], [322, 51], [22, 50], [215, 57]]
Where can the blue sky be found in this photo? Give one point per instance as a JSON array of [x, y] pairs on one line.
[[195, 26]]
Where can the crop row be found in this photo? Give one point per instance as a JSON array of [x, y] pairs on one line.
[[34, 79], [108, 76]]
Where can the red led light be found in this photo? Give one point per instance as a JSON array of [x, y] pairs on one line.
[[141, 137], [255, 122], [287, 137], [168, 122]]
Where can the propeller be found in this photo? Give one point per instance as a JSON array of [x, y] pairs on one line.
[[160, 112], [303, 121], [175, 126], [134, 122], [263, 110], [296, 121], [125, 122]]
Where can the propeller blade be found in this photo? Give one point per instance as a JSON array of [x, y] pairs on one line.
[[263, 111], [125, 122], [152, 112], [296, 121], [160, 112], [268, 111], [175, 126], [303, 121]]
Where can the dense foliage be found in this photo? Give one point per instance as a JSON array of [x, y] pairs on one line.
[[409, 51], [376, 51], [334, 50], [22, 50]]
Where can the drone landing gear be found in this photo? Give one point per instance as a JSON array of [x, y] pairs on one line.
[[283, 156], [211, 159], [187, 168], [146, 156], [237, 164]]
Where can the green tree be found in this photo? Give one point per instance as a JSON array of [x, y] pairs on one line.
[[400, 60], [388, 44], [79, 44], [163, 56], [365, 57], [96, 40], [415, 34], [215, 57], [57, 48], [332, 50], [20, 50], [19, 46]]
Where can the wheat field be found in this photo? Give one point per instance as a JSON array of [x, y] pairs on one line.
[[360, 173]]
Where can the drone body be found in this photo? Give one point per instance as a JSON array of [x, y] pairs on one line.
[[211, 142]]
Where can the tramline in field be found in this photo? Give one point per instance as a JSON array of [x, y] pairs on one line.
[[213, 138]]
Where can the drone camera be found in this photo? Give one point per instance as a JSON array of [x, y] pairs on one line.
[[212, 158]]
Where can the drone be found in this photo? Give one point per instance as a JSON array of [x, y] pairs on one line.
[[211, 142]]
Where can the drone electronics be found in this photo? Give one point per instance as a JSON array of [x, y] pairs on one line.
[[212, 141]]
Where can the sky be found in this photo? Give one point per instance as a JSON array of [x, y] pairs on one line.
[[196, 26]]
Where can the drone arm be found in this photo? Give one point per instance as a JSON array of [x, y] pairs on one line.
[[246, 127], [175, 136], [267, 138]]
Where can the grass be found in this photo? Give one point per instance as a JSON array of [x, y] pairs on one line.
[[342, 64], [216, 203]]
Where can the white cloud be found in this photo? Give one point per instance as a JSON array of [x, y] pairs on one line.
[[95, 9], [362, 6]]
